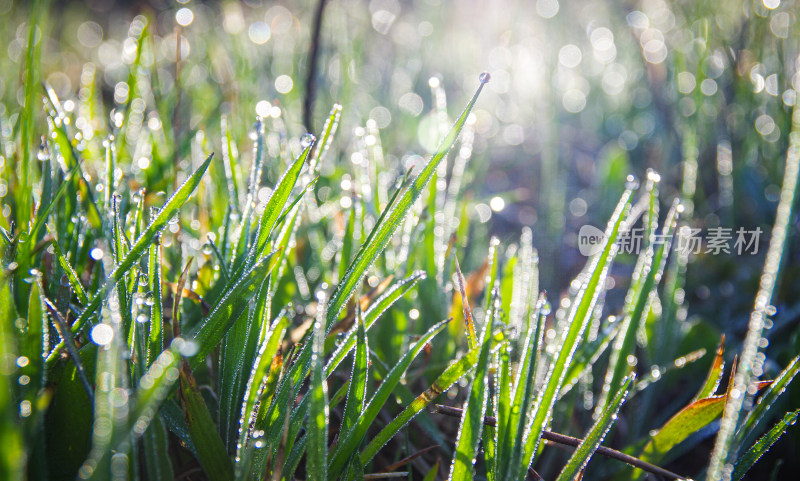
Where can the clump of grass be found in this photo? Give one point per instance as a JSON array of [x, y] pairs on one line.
[[205, 333]]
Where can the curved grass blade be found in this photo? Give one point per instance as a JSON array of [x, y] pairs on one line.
[[469, 433], [577, 321], [390, 220], [577, 462], [350, 441], [762, 445], [167, 212]]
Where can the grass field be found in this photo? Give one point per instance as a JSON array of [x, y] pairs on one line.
[[419, 240]]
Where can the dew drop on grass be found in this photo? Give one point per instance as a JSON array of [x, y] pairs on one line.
[[207, 250], [485, 77], [631, 182], [770, 310], [142, 318], [306, 140], [255, 129]]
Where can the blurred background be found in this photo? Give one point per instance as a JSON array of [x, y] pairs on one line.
[[582, 94]]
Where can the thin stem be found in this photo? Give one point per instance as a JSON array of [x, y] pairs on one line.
[[574, 442], [311, 73]]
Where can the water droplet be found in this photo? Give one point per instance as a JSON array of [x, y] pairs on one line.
[[142, 318], [306, 140], [771, 310], [207, 250], [255, 129], [174, 220], [485, 77], [631, 182], [102, 334]]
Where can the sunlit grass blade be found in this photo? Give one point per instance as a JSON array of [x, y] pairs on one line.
[[469, 432], [653, 261], [277, 201], [371, 315], [752, 455], [167, 212], [358, 377], [523, 395], [156, 335], [768, 281], [714, 373], [577, 462], [255, 389], [578, 318], [227, 310], [317, 429], [450, 376], [328, 131], [751, 422], [391, 220], [350, 441]]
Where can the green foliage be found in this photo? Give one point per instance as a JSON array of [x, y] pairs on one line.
[[207, 334]]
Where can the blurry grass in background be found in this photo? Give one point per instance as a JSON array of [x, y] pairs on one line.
[[106, 110]]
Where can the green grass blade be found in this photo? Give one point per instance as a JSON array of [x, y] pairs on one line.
[[317, 457], [524, 393], [714, 373], [358, 378], [371, 315], [350, 441], [761, 410], [768, 281], [577, 321], [469, 432], [72, 276], [450, 376], [156, 336], [390, 220], [167, 212], [277, 201], [761, 446], [155, 444], [328, 131], [256, 386], [211, 451], [688, 420], [595, 436], [12, 456], [227, 310], [653, 262]]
